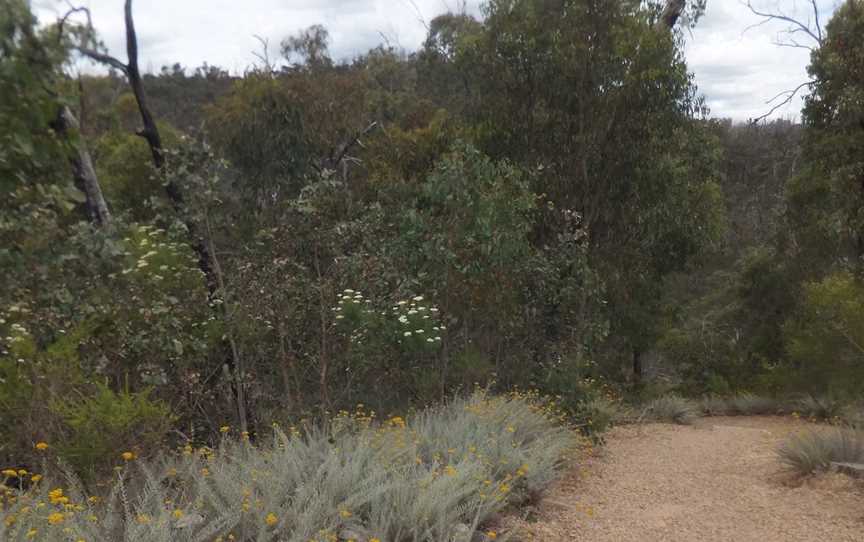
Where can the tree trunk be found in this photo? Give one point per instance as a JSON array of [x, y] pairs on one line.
[[83, 172], [149, 131], [637, 368]]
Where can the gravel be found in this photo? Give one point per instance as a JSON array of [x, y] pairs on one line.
[[718, 480]]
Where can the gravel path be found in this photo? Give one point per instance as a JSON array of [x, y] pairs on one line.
[[718, 480]]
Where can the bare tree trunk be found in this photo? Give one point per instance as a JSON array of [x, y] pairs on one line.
[[83, 172], [149, 131]]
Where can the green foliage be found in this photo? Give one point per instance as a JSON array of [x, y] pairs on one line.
[[101, 426], [124, 166], [30, 150], [814, 450], [439, 476], [259, 129], [826, 336]]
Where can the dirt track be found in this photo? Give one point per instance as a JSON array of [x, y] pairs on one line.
[[718, 480]]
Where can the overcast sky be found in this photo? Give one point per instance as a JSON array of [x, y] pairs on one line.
[[737, 71]]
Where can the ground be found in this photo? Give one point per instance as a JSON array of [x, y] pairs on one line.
[[718, 480]]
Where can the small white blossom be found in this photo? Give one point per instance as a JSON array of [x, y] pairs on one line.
[[419, 331], [407, 334]]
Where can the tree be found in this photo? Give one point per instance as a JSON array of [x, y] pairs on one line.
[[597, 100]]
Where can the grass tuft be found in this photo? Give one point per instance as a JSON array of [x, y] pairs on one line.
[[671, 408], [748, 404], [814, 450]]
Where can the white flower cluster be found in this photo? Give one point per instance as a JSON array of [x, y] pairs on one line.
[[418, 320], [348, 300]]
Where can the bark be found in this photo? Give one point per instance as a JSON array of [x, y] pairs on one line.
[[671, 13], [83, 171], [149, 131], [637, 367]]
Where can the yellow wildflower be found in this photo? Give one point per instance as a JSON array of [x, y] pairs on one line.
[[224, 429], [42, 446], [128, 456], [345, 513], [31, 533], [35, 478], [178, 513], [492, 535], [56, 518], [9, 473], [271, 519]]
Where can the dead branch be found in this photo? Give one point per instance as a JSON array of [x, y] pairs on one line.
[[796, 26], [787, 95]]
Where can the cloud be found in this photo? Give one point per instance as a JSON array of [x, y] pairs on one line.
[[737, 71]]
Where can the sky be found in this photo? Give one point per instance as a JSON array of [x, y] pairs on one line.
[[737, 69]]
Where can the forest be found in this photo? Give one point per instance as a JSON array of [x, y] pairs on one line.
[[534, 208]]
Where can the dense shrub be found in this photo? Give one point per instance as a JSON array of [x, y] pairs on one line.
[[440, 475]]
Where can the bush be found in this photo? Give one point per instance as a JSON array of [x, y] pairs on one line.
[[714, 405], [853, 416], [438, 476], [108, 423], [814, 450], [823, 408], [747, 404], [671, 408]]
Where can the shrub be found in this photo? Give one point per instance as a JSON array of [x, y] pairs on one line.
[[825, 407], [815, 449], [853, 416], [99, 426], [714, 405], [597, 415], [747, 404], [671, 408], [438, 476]]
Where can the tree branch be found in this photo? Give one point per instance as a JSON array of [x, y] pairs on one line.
[[343, 149], [789, 95], [796, 25], [103, 58]]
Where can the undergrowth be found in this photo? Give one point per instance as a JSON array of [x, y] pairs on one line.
[[441, 475]]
